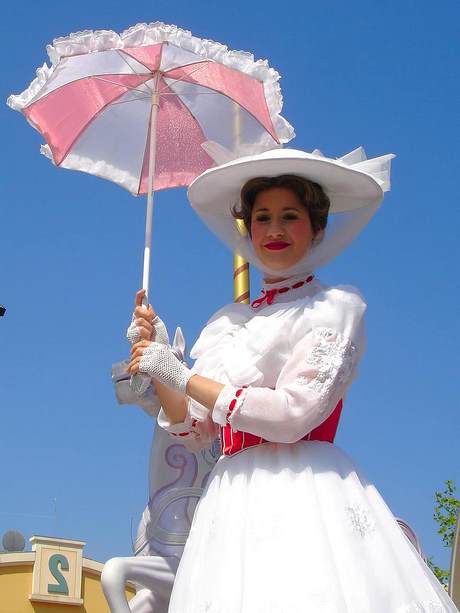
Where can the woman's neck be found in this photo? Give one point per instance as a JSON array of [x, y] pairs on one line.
[[269, 280]]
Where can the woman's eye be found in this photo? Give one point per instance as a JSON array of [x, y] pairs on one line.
[[290, 216], [262, 218]]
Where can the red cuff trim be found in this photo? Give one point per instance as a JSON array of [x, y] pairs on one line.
[[232, 404], [194, 422]]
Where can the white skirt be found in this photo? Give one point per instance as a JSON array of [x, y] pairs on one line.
[[298, 529]]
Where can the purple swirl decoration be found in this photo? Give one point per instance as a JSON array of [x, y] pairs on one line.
[[177, 517]]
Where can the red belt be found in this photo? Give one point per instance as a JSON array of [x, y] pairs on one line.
[[233, 442]]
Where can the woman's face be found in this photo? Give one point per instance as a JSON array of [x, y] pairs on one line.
[[281, 231]]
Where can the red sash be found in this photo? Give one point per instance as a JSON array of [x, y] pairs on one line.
[[233, 442]]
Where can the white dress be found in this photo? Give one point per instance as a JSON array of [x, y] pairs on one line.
[[286, 526]]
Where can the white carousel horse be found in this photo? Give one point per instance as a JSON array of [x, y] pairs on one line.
[[176, 480], [412, 537]]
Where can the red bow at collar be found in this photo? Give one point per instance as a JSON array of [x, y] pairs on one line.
[[269, 295]]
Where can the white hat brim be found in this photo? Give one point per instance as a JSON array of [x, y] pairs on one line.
[[218, 189], [354, 185]]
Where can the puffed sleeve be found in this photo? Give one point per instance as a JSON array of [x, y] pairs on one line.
[[314, 378]]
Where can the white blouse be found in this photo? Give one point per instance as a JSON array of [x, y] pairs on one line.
[[297, 357]]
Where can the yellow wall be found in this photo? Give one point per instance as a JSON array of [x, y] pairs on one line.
[[16, 585]]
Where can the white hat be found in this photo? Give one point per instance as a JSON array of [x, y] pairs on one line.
[[354, 185]]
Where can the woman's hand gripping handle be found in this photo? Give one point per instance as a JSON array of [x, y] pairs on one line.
[[145, 326]]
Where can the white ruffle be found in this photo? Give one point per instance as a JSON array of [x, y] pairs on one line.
[[226, 340], [141, 34], [241, 346], [99, 168], [20, 101]]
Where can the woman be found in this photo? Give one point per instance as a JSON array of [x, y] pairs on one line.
[[287, 523]]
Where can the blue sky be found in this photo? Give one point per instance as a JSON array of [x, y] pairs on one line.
[[379, 74]]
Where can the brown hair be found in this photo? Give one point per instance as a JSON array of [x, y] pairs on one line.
[[310, 194]]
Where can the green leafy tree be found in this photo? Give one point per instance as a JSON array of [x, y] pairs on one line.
[[445, 515]]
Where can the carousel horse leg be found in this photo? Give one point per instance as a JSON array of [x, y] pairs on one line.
[[146, 601], [154, 573]]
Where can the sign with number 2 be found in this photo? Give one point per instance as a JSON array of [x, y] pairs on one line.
[[57, 571]]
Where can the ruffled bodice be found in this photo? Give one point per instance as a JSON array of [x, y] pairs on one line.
[[241, 345], [285, 366]]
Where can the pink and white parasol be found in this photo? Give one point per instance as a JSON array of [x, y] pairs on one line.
[[145, 107]]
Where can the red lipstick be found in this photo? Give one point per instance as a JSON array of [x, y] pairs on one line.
[[277, 245]]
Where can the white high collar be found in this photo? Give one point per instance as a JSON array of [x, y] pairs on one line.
[[291, 288], [287, 282]]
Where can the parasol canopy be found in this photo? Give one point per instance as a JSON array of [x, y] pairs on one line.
[[94, 104], [151, 108]]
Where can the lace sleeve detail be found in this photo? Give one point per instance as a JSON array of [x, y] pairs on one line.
[[312, 381], [330, 362]]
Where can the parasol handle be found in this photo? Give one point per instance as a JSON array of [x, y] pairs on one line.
[[140, 382], [150, 186]]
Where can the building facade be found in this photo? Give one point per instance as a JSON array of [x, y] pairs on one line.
[[54, 576]]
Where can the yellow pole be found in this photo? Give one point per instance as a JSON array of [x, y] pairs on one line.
[[240, 266], [240, 272]]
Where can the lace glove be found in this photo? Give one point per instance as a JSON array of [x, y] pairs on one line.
[[148, 400], [159, 335], [159, 362], [140, 383]]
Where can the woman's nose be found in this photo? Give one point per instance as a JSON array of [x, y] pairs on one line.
[[275, 229]]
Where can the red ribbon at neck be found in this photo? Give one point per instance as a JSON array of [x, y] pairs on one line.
[[269, 295]]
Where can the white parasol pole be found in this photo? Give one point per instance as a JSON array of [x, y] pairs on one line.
[[140, 382], [150, 185]]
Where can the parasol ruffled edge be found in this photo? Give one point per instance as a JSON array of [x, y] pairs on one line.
[[93, 41]]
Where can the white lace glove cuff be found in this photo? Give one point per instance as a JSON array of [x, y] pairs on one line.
[[140, 383], [159, 362], [159, 334]]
